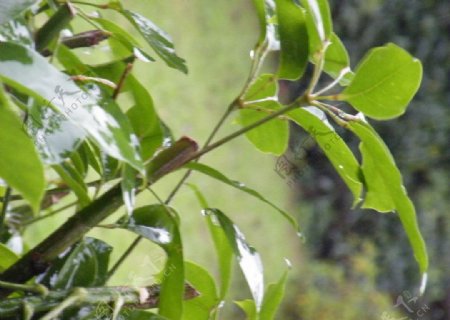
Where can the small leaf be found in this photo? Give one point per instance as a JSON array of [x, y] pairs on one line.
[[159, 224], [271, 137], [262, 88], [221, 244], [84, 265], [102, 120], [171, 158], [260, 99], [75, 181], [261, 13], [314, 121], [157, 39], [125, 38], [201, 307], [248, 259], [128, 185], [376, 153], [20, 165], [337, 61], [53, 26], [272, 298], [319, 24], [248, 306], [385, 82], [143, 118], [293, 40], [11, 8], [213, 173], [7, 257]]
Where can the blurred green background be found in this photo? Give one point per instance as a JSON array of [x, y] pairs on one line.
[[354, 264]]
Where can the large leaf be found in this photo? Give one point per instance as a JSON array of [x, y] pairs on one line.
[[157, 39], [84, 265], [53, 134], [11, 8], [158, 224], [202, 307], [389, 187], [221, 244], [248, 258], [213, 173], [17, 31], [385, 82], [20, 165], [319, 24], [293, 39], [314, 121], [19, 67]]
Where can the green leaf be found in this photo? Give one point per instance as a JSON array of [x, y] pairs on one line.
[[141, 315], [101, 120], [75, 181], [84, 265], [377, 157], [221, 244], [125, 38], [11, 8], [128, 185], [385, 82], [271, 137], [262, 88], [314, 121], [201, 307], [53, 26], [249, 307], [213, 173], [337, 62], [143, 118], [319, 25], [7, 257], [159, 224], [53, 134], [261, 13], [260, 99], [157, 39], [293, 39], [20, 165], [272, 298], [248, 258]]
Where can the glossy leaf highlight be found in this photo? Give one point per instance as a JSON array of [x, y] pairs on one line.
[[385, 82]]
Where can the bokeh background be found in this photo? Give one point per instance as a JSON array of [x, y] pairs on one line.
[[353, 264]]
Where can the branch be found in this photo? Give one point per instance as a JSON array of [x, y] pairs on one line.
[[139, 298], [39, 258]]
